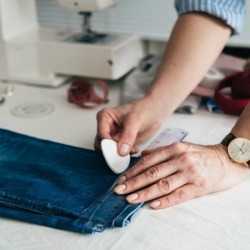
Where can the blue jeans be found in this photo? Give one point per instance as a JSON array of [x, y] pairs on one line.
[[58, 186]]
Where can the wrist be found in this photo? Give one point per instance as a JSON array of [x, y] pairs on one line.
[[152, 109], [159, 101], [240, 133], [242, 126]]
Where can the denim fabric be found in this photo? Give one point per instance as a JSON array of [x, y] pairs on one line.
[[58, 186]]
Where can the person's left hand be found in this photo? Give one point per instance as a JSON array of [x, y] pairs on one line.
[[173, 174]]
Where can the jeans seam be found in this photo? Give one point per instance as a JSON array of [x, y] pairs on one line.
[[33, 206]]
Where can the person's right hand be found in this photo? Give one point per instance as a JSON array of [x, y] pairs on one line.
[[128, 124]]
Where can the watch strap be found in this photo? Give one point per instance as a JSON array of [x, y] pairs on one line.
[[228, 139]]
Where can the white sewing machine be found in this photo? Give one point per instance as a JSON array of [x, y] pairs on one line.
[[47, 57]]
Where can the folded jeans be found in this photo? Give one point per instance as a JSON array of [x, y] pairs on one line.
[[59, 186]]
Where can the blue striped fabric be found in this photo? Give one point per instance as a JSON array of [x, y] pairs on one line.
[[229, 11]]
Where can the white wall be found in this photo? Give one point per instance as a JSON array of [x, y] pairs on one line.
[[149, 18]]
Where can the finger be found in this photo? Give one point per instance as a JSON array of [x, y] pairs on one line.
[[98, 139], [150, 151], [178, 196], [148, 161], [97, 143], [150, 176], [134, 150], [162, 187], [128, 136], [104, 124]]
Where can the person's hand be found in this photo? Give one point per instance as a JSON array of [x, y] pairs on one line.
[[129, 124], [170, 175]]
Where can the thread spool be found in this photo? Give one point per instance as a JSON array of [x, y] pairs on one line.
[[83, 94], [212, 78], [234, 101]]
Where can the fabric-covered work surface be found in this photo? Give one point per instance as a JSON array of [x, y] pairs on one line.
[[216, 221]]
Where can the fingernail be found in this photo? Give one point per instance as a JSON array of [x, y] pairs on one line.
[[132, 197], [121, 180], [155, 204], [124, 149], [120, 188]]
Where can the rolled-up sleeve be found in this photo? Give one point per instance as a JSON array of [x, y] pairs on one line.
[[230, 12]]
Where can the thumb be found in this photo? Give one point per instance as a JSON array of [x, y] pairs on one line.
[[128, 137]]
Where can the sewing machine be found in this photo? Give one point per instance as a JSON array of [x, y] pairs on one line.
[[48, 57]]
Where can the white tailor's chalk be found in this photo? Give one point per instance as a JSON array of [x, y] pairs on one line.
[[115, 161]]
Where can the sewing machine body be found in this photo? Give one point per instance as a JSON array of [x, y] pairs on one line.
[[48, 57]]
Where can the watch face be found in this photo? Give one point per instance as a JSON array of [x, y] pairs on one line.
[[239, 150]]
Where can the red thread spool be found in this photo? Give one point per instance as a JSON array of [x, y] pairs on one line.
[[241, 86], [233, 103], [82, 93]]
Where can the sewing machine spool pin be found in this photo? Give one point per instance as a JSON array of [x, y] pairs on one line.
[[88, 35]]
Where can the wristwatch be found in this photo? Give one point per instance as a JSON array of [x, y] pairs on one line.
[[238, 148]]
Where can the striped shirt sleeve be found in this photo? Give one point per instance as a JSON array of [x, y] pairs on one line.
[[229, 11]]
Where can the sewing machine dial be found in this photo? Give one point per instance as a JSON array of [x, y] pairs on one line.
[[239, 150]]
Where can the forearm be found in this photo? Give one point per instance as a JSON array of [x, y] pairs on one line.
[[195, 43], [242, 127]]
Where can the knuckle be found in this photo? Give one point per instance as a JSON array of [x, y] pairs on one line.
[[145, 194], [180, 194], [166, 200], [176, 146], [164, 185], [162, 151], [101, 113], [104, 113], [131, 183], [202, 183], [152, 173], [129, 135], [186, 158], [193, 171], [146, 160]]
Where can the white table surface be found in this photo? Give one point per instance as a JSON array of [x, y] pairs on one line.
[[217, 221]]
